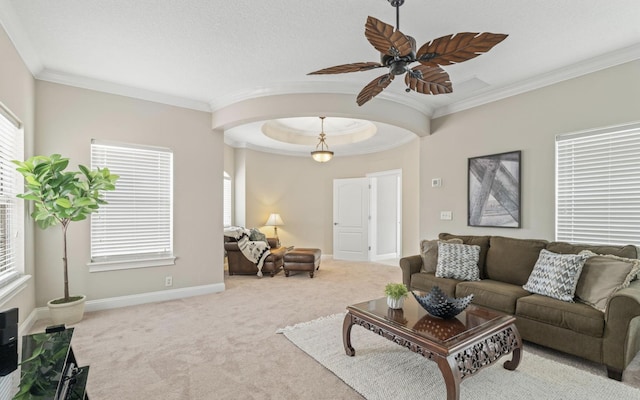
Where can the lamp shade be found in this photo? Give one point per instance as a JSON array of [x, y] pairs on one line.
[[274, 220]]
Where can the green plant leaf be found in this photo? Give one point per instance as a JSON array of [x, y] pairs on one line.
[[64, 202], [31, 180], [83, 202]]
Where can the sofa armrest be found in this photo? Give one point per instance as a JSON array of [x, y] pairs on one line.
[[622, 328], [410, 265], [273, 242]]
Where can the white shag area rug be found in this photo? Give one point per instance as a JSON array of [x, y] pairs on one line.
[[383, 370]]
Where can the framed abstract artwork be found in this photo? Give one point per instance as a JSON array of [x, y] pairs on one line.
[[494, 190]]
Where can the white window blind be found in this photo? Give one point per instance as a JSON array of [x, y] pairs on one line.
[[138, 221], [598, 186], [10, 207], [226, 217]]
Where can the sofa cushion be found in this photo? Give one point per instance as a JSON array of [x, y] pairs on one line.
[[602, 276], [556, 275], [628, 251], [577, 317], [482, 241], [429, 253], [511, 260], [493, 294], [424, 281], [458, 261]]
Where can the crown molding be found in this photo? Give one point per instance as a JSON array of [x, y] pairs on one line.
[[585, 67], [122, 90]]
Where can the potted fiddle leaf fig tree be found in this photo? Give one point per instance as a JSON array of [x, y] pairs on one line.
[[60, 197]]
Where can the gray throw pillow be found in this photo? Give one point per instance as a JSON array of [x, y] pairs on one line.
[[458, 261], [602, 276], [556, 275], [429, 253], [256, 236]]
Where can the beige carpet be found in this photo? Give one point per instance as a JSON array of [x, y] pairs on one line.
[[382, 370], [224, 345]]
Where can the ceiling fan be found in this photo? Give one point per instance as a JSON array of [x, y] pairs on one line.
[[398, 50]]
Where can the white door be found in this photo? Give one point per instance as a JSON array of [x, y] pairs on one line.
[[351, 219]]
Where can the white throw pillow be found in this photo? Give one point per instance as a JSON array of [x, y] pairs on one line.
[[458, 261]]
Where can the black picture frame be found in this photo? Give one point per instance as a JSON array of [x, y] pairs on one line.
[[493, 190]]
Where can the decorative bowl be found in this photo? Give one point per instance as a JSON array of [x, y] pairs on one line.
[[440, 305]]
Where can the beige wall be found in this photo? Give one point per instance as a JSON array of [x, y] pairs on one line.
[[301, 190], [17, 94], [67, 119], [527, 122]]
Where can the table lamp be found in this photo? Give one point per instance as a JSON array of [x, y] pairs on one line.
[[274, 220]]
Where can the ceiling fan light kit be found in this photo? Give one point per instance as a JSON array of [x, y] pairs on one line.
[[398, 51], [322, 155]]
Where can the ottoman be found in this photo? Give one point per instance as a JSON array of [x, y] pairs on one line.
[[301, 259]]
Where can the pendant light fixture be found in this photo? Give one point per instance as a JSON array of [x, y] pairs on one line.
[[322, 155]]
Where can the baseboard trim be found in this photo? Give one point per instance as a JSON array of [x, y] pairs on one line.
[[28, 323], [131, 300], [152, 297]]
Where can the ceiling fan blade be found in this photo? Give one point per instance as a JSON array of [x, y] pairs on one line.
[[374, 88], [457, 48], [387, 41], [341, 69], [428, 80]]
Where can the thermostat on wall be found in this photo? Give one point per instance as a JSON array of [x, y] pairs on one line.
[[436, 182]]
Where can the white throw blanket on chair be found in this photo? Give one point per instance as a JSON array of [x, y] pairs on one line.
[[256, 252]]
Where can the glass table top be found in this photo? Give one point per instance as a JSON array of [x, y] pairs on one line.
[[415, 320]]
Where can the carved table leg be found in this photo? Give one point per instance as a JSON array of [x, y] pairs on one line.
[[515, 359], [451, 377], [346, 335]]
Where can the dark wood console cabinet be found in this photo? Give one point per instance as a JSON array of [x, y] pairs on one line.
[[49, 370]]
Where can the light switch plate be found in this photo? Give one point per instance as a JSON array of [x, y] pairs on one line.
[[446, 215]]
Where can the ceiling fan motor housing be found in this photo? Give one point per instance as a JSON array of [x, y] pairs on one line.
[[398, 65]]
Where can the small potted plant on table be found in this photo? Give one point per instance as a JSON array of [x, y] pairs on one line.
[[61, 197], [396, 293]]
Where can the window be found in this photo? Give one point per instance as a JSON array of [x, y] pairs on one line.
[[11, 208], [598, 186], [135, 228], [226, 216]]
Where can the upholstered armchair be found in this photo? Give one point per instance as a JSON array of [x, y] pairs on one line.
[[240, 265]]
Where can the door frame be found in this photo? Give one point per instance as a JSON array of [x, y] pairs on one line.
[[373, 222]]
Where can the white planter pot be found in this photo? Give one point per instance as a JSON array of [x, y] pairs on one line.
[[396, 304], [67, 313]]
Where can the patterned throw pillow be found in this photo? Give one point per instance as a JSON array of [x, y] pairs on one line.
[[458, 261], [429, 253], [556, 275], [602, 276]]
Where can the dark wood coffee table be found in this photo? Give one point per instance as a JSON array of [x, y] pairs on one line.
[[461, 346]]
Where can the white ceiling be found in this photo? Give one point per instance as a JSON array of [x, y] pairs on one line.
[[207, 54]]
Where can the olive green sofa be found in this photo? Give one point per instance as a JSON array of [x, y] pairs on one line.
[[611, 337]]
